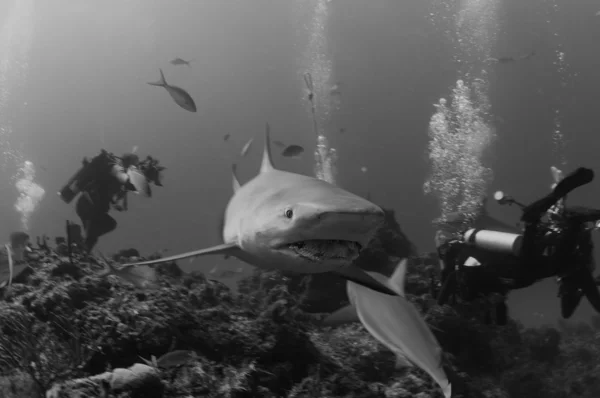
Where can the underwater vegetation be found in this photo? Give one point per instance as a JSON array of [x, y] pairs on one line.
[[67, 332]]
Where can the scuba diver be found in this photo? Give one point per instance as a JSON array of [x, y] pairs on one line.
[[509, 60], [104, 182], [534, 245], [554, 248]]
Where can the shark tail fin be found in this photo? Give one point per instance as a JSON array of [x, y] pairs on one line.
[[236, 182], [162, 82], [267, 160]]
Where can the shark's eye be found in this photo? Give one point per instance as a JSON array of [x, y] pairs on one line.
[[289, 213]]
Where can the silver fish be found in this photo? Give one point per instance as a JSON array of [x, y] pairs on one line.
[[246, 147], [179, 95], [292, 151]]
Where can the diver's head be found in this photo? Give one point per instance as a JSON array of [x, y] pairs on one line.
[[130, 159]]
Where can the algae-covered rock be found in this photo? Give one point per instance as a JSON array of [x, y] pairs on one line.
[[67, 331]]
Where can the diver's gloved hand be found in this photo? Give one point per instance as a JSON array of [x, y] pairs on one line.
[[579, 177]]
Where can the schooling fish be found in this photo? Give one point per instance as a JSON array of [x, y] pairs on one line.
[[292, 151], [246, 147], [171, 359], [180, 61], [179, 95], [279, 143]]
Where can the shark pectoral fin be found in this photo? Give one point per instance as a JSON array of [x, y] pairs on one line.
[[226, 248], [343, 315], [360, 277]]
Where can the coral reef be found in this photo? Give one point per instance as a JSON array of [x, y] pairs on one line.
[[66, 332]]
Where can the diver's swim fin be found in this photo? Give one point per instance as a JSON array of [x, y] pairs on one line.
[[576, 179]]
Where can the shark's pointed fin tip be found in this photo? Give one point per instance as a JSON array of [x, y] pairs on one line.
[[236, 182], [267, 160]]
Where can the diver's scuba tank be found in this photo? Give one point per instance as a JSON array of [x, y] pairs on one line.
[[85, 176], [494, 241]]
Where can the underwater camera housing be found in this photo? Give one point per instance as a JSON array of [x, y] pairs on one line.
[[85, 176]]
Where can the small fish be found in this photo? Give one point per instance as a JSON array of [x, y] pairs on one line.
[[176, 358], [335, 89], [179, 95], [292, 151], [171, 359], [246, 147], [142, 277], [230, 273], [279, 143], [226, 137], [180, 61]]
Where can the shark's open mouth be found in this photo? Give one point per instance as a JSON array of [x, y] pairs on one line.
[[319, 250]]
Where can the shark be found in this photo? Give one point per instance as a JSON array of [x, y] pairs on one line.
[[397, 324], [295, 223]]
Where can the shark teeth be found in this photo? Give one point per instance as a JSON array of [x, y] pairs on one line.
[[319, 250]]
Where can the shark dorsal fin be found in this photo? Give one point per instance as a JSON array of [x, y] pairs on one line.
[[267, 162], [236, 183], [398, 278]]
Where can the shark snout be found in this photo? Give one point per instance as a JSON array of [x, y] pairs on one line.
[[355, 226]]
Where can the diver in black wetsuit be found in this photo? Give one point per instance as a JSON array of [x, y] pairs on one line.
[[532, 265], [534, 244], [111, 184], [104, 182]]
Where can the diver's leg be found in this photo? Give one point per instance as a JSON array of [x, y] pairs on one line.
[[86, 212], [101, 225], [106, 224]]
